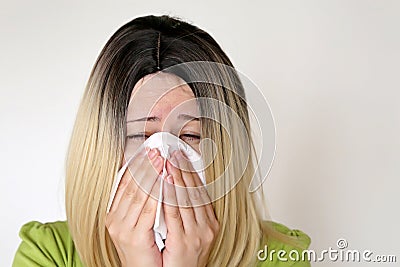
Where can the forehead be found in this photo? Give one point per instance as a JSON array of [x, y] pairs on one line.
[[160, 93]]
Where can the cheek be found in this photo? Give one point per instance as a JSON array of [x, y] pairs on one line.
[[132, 144], [196, 147], [130, 148]]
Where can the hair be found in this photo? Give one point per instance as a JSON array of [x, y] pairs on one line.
[[143, 46]]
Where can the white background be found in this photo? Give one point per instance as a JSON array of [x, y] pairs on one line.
[[329, 69]]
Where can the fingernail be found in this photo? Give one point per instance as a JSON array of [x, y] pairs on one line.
[[152, 153], [157, 162], [169, 179]]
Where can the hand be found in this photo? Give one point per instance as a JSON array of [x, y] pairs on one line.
[[191, 223], [132, 214]]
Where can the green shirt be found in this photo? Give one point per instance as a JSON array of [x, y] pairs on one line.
[[50, 244]]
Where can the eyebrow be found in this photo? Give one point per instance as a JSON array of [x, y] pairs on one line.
[[154, 118], [146, 119], [188, 117]]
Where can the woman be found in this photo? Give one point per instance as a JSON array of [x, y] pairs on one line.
[[150, 72]]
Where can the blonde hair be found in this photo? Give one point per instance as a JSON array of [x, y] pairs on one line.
[[143, 46]]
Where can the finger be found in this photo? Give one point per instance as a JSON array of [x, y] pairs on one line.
[[207, 203], [125, 180], [120, 190], [134, 194], [138, 203], [172, 215], [138, 171], [201, 190], [190, 176], [146, 212], [193, 192], [183, 200]]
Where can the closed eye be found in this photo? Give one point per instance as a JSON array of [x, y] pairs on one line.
[[190, 137], [138, 136]]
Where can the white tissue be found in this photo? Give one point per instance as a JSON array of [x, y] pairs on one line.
[[166, 143]]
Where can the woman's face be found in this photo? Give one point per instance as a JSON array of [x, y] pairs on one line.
[[162, 102]]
